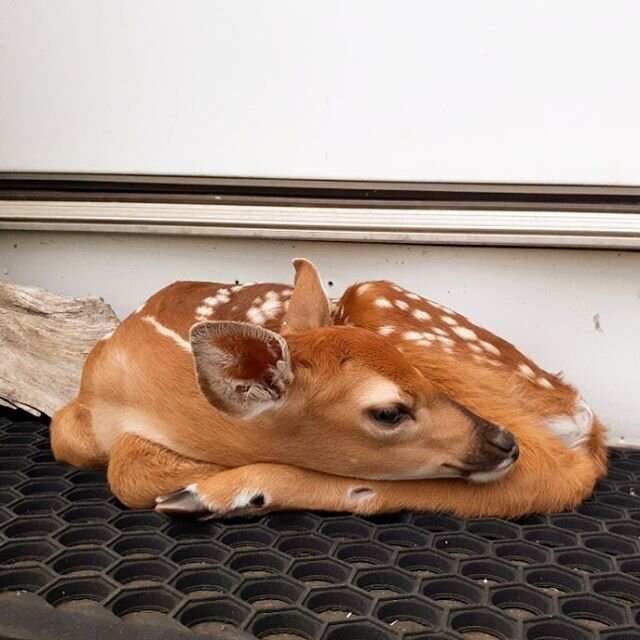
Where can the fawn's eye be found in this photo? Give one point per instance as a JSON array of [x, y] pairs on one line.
[[390, 416]]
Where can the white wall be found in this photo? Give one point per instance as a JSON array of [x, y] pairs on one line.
[[542, 300], [497, 91]]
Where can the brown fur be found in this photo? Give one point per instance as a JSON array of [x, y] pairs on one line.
[[141, 374], [72, 438]]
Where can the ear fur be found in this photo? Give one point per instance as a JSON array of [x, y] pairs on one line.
[[309, 306], [242, 369]]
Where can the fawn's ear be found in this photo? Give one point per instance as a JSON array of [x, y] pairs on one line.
[[309, 307], [242, 369]]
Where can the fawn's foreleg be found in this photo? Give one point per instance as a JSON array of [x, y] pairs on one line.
[[554, 480]]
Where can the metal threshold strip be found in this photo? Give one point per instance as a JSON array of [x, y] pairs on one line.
[[508, 215], [397, 225]]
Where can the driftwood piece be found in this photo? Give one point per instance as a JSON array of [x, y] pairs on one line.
[[44, 340]]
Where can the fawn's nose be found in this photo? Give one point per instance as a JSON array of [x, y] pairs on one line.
[[493, 445], [499, 437], [502, 440]]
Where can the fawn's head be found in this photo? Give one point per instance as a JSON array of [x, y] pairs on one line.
[[342, 399]]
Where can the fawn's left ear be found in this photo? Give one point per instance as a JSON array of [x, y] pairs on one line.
[[242, 369], [309, 307]]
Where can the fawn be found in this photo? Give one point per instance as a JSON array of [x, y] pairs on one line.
[[224, 400]]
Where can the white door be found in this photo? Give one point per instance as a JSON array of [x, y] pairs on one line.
[[462, 91]]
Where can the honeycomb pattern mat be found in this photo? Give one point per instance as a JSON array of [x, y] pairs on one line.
[[287, 576]]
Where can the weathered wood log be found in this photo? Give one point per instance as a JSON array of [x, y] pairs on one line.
[[44, 340]]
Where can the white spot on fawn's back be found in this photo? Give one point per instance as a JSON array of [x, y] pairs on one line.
[[272, 305], [204, 310], [446, 342], [401, 304], [419, 314], [386, 330], [465, 333], [487, 346], [526, 371], [265, 309], [418, 335], [363, 288], [255, 315], [382, 303], [210, 303]]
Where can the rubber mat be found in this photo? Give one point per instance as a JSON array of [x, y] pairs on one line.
[[100, 570]]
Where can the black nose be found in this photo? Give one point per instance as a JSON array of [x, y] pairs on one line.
[[502, 439]]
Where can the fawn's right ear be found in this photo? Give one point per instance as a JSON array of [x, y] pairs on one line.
[[309, 307], [242, 369]]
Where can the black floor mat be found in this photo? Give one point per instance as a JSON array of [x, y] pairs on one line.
[[286, 576]]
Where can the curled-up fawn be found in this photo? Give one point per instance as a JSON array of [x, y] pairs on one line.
[[220, 400]]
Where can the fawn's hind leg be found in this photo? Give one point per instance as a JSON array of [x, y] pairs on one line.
[[72, 439], [140, 471]]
